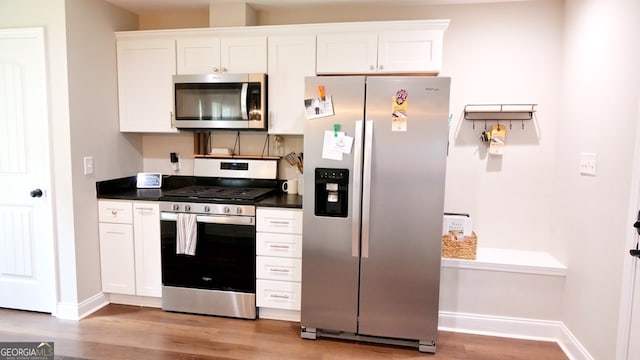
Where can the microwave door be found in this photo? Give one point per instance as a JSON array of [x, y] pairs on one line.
[[243, 102]]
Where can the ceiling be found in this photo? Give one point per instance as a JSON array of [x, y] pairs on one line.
[[150, 6]]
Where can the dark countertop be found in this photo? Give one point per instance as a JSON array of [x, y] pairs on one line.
[[282, 200], [125, 189]]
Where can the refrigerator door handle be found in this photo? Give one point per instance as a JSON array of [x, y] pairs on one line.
[[366, 186], [357, 183]]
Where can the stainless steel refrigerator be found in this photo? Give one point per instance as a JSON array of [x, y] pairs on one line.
[[374, 173]]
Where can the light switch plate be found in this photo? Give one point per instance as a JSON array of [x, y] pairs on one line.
[[588, 164], [88, 165]]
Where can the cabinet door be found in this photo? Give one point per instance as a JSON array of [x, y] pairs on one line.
[[291, 58], [117, 259], [410, 51], [146, 227], [354, 53], [243, 54], [198, 55], [145, 67]]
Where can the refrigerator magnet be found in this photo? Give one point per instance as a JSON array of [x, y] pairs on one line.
[[399, 107]]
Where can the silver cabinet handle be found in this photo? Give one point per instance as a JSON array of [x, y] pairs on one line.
[[275, 222], [279, 246], [357, 181], [366, 187], [279, 296], [280, 270]]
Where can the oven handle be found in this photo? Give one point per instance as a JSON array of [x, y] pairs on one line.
[[213, 219]]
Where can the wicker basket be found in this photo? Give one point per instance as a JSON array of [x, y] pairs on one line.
[[459, 249]]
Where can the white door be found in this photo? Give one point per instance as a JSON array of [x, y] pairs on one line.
[[27, 272]]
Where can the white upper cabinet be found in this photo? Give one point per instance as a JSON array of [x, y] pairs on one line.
[[214, 55], [347, 53], [145, 70], [198, 55], [410, 51], [291, 59], [394, 51]]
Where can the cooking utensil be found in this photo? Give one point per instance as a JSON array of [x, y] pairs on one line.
[[291, 158]]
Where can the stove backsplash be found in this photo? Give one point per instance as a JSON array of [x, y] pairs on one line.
[[156, 150]]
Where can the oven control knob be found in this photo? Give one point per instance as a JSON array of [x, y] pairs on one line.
[[226, 210], [175, 207], [187, 208], [238, 210], [207, 208]]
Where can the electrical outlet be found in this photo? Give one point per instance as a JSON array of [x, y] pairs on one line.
[[588, 164]]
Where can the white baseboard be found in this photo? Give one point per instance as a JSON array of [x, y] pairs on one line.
[[71, 311], [517, 328], [571, 346], [135, 300], [279, 314]]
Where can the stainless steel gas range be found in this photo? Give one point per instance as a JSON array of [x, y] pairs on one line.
[[217, 214]]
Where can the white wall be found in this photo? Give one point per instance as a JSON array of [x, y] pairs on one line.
[[601, 80], [93, 124]]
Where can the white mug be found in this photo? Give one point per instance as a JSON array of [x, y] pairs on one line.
[[290, 186]]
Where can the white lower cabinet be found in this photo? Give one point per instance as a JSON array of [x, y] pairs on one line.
[[146, 236], [117, 259], [130, 248], [278, 263]]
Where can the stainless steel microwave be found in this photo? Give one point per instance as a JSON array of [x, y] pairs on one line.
[[220, 101]]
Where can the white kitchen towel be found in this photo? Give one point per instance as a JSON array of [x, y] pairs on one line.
[[186, 234]]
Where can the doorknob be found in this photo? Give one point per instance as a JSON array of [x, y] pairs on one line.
[[636, 252], [36, 193]]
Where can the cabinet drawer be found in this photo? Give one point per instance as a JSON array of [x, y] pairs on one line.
[[278, 294], [279, 221], [275, 268], [115, 212], [280, 245]]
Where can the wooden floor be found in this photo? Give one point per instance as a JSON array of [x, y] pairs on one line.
[[129, 332]]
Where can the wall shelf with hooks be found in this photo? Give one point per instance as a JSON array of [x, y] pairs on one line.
[[500, 112]]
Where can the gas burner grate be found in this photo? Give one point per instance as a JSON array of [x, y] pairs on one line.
[[219, 192]]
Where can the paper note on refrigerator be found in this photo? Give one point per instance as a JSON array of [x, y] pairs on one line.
[[336, 144]]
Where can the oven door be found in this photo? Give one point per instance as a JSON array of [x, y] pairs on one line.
[[225, 256]]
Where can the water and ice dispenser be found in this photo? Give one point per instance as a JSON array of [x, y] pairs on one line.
[[332, 192]]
